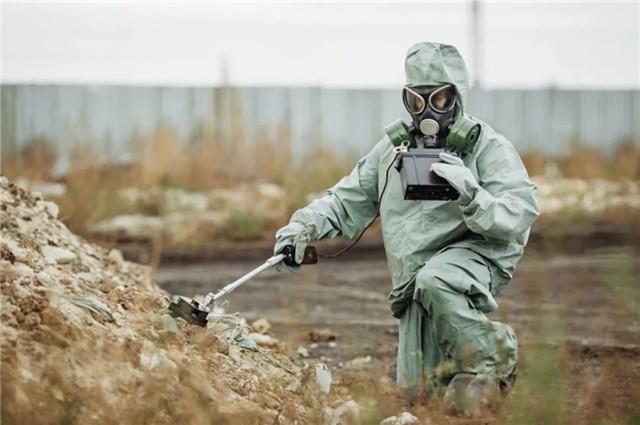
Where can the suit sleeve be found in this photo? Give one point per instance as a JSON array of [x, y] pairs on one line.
[[504, 204], [349, 206]]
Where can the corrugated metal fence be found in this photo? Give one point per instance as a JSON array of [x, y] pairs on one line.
[[348, 120]]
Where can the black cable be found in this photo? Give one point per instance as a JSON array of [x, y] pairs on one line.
[[355, 241]]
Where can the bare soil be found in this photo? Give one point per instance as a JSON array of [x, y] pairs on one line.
[[577, 317]]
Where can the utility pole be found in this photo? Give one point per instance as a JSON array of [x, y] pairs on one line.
[[224, 71], [476, 42]]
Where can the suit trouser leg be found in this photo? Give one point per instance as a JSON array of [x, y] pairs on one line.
[[445, 330]]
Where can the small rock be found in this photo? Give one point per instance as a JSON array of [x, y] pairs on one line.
[[302, 352], [264, 340], [57, 255], [23, 270], [332, 344], [50, 208], [321, 335], [17, 253], [156, 360], [261, 325], [168, 323], [357, 362], [91, 278], [48, 277], [32, 319], [348, 413], [57, 394], [323, 378], [115, 255], [405, 418]]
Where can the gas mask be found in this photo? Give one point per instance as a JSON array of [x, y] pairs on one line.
[[433, 111]]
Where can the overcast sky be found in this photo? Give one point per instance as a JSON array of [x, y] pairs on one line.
[[567, 44]]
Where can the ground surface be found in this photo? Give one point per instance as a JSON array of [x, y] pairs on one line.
[[577, 317], [85, 338]]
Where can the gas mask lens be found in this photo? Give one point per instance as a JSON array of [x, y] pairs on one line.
[[442, 99], [413, 101]]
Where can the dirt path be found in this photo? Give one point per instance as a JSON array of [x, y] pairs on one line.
[[577, 318]]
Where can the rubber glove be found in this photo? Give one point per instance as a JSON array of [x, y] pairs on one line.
[[294, 234], [453, 170]]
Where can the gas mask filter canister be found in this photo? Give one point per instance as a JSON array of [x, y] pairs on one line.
[[462, 137]]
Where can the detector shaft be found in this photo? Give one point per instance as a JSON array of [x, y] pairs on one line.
[[211, 297]]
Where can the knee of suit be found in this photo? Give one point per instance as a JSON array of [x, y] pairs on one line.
[[431, 286]]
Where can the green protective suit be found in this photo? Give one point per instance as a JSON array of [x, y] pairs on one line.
[[447, 259]]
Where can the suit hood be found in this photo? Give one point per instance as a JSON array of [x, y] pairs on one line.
[[435, 63]]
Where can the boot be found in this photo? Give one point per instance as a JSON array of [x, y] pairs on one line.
[[471, 395]]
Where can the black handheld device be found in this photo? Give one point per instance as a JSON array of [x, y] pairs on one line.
[[418, 181], [415, 154]]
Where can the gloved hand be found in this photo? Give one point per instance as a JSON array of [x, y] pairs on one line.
[[458, 175], [294, 234]]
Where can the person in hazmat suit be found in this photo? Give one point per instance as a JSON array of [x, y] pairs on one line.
[[447, 259]]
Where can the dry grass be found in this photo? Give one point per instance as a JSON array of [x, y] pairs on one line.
[[161, 160], [34, 162], [627, 162], [211, 161], [585, 162], [535, 162]]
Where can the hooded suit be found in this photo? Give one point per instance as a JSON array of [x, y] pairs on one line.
[[447, 259]]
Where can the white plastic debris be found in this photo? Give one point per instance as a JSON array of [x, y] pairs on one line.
[[264, 340], [323, 378], [405, 418], [92, 304]]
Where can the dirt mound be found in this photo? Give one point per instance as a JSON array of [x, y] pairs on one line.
[[86, 339]]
